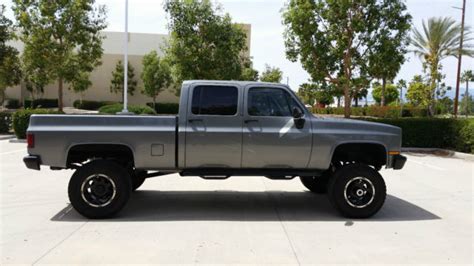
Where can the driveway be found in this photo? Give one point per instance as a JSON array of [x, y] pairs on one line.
[[427, 218]]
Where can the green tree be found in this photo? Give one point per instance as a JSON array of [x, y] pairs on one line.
[[116, 84], [419, 93], [358, 95], [204, 44], [467, 76], [271, 74], [10, 71], [390, 50], [391, 93], [156, 75], [249, 74], [466, 105], [439, 38], [401, 84], [67, 33], [80, 83], [311, 93], [336, 41], [307, 93]]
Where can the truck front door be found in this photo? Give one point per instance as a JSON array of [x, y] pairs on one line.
[[214, 127], [270, 136]]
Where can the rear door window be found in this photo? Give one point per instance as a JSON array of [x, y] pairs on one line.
[[214, 100]]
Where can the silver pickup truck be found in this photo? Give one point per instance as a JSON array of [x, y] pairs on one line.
[[223, 129]]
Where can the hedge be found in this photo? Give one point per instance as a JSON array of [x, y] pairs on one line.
[[444, 133], [375, 111], [21, 120], [91, 105], [165, 108], [41, 103], [5, 122], [137, 109]]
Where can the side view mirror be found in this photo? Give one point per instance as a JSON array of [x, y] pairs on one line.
[[298, 117], [297, 113]]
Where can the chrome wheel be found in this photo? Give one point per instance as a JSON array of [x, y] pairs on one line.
[[98, 190], [359, 192]]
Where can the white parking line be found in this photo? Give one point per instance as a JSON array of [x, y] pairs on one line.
[[10, 152], [427, 165]]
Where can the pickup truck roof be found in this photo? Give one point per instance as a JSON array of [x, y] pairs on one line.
[[232, 82]]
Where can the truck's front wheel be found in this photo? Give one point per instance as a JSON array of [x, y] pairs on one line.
[[99, 189], [357, 191]]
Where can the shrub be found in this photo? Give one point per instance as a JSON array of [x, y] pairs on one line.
[[5, 122], [12, 104], [41, 103], [375, 111], [165, 108], [358, 111], [444, 133], [465, 141], [137, 109], [90, 105], [21, 120]]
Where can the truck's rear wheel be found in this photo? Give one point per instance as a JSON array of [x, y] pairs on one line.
[[316, 184], [99, 189], [357, 191]]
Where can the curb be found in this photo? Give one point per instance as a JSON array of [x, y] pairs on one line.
[[5, 137], [447, 153], [15, 140]]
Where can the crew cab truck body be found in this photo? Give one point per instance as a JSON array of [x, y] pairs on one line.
[[223, 128]]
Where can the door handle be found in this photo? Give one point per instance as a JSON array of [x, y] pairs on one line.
[[194, 120], [250, 120]]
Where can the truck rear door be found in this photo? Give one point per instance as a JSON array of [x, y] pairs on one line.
[[213, 127]]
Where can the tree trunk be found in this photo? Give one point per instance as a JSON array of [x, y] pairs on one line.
[[60, 94], [466, 95], [382, 98], [347, 101], [356, 102], [338, 101]]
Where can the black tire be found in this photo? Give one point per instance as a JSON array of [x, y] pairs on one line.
[[316, 184], [357, 191], [138, 178], [99, 189]]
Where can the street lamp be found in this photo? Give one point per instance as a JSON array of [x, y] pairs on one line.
[[125, 65]]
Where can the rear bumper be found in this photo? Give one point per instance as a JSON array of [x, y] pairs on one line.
[[398, 161], [32, 162]]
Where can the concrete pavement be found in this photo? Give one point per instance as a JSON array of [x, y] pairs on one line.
[[427, 218]]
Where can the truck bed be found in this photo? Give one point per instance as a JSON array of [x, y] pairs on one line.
[[152, 139]]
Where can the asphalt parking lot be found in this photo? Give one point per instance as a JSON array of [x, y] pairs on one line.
[[427, 218]]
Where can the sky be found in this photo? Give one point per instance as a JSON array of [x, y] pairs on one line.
[[267, 44]]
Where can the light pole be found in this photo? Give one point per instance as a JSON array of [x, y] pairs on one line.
[[458, 76], [125, 64]]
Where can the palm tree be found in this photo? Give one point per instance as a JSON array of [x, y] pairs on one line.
[[467, 76], [439, 39]]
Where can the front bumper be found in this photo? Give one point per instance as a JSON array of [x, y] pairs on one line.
[[398, 161], [32, 162]]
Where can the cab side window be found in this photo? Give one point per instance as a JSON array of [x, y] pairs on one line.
[[269, 102], [214, 100]]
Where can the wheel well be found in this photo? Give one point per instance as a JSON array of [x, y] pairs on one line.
[[367, 153], [116, 152]]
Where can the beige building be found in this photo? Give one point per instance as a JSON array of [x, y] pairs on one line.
[[139, 45]]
